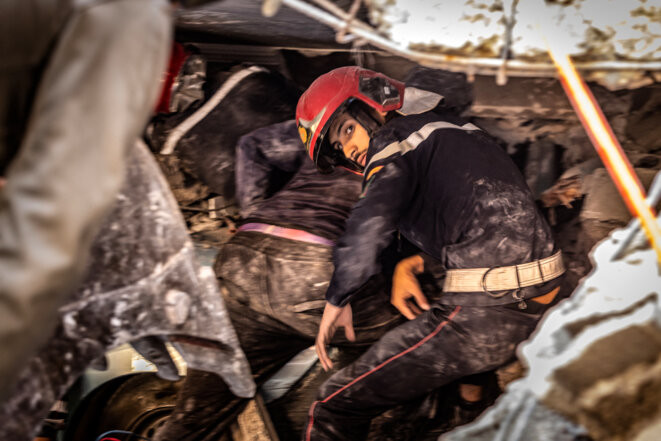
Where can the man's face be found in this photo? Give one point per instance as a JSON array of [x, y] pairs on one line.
[[348, 135]]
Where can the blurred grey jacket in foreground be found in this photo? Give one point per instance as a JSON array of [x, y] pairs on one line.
[[78, 80]]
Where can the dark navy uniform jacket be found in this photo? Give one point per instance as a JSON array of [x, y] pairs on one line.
[[451, 191], [278, 184]]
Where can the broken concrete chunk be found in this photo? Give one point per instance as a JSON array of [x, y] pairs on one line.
[[540, 169], [644, 122], [604, 208]]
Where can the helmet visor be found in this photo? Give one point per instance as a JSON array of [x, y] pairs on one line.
[[379, 90]]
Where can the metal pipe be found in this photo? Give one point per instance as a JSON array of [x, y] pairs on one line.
[[633, 229], [501, 76], [348, 17], [488, 66]]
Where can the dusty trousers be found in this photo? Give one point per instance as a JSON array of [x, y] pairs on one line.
[[274, 291], [441, 345]]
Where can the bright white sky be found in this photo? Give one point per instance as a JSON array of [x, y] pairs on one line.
[[454, 24]]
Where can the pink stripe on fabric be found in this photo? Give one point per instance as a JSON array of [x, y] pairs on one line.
[[287, 233]]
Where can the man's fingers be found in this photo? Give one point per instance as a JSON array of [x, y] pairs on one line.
[[413, 307], [407, 296], [420, 298], [349, 332], [320, 346], [332, 318], [403, 307]]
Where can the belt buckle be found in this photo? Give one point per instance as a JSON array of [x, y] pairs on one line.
[[502, 294], [484, 284]]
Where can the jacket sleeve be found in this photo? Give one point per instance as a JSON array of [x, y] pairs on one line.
[[373, 219], [93, 100], [259, 156]]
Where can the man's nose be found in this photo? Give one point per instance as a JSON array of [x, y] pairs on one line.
[[348, 149]]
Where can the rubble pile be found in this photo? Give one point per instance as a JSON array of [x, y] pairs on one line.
[[196, 146]]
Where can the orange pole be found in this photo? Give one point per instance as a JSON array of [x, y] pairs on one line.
[[608, 148]]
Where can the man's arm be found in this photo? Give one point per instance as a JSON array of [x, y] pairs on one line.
[[370, 228], [261, 153]]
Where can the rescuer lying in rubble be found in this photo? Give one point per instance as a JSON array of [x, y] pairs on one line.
[[274, 272], [451, 191]]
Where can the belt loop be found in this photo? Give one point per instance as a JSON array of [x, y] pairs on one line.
[[518, 281], [541, 274], [522, 303]]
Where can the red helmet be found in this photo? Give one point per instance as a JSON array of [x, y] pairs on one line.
[[329, 95]]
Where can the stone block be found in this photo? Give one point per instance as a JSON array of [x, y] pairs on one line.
[[604, 208]]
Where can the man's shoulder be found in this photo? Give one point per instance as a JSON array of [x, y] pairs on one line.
[[407, 124], [386, 144], [399, 128], [404, 134]]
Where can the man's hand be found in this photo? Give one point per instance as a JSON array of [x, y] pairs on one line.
[[333, 317], [405, 288]]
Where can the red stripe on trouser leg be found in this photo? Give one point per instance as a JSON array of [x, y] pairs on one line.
[[309, 431], [371, 371]]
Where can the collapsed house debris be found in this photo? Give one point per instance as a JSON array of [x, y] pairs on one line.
[[195, 147], [530, 117]]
